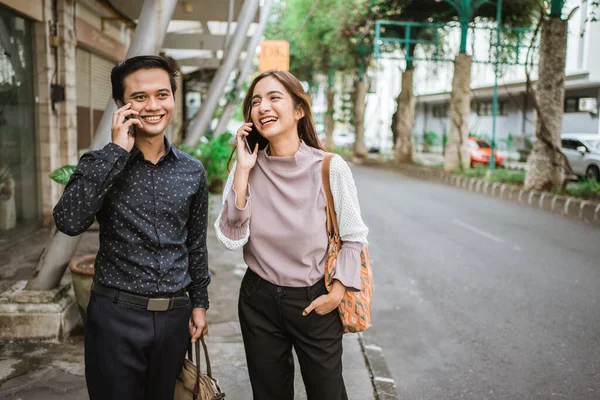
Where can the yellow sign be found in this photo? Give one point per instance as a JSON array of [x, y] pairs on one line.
[[274, 54]]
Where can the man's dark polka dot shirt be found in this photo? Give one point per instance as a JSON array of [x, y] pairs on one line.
[[153, 220]]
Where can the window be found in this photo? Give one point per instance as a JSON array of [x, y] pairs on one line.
[[440, 111], [571, 104], [485, 108], [574, 104], [594, 144], [571, 144], [18, 178], [567, 144]]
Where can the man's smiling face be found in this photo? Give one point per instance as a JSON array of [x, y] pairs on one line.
[[149, 92]]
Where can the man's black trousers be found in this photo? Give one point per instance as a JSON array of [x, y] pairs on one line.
[[272, 323], [132, 353]]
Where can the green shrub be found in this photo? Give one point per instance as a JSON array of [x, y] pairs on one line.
[[589, 189], [508, 176], [477, 172], [499, 176], [214, 155]]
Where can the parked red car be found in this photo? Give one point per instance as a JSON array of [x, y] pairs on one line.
[[481, 151]]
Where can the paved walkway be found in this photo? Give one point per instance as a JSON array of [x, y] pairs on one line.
[[48, 371]]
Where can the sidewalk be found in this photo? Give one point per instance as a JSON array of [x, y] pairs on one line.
[[49, 371]]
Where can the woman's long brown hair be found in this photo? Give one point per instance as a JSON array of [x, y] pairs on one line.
[[306, 126]]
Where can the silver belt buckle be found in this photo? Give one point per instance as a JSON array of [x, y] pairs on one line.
[[158, 304]]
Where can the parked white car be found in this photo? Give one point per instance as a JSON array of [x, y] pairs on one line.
[[583, 152]]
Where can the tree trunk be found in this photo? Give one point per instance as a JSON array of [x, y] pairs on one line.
[[360, 92], [545, 165], [329, 123], [245, 67], [404, 119], [457, 153], [147, 39], [201, 122]]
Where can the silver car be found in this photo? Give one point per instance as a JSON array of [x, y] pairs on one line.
[[583, 152]]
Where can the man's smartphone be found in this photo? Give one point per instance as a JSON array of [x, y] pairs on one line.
[[132, 127]]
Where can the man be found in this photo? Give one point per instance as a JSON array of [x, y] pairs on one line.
[[151, 201]]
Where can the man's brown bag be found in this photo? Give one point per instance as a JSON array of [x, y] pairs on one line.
[[192, 384]]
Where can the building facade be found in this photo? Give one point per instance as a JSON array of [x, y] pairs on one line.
[[515, 121], [55, 61]]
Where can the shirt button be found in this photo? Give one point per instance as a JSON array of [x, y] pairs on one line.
[[278, 290]]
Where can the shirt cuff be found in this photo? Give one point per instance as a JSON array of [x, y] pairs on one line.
[[199, 298], [234, 220], [113, 153], [348, 265]]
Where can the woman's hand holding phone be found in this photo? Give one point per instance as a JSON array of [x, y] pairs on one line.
[[246, 158], [122, 120]]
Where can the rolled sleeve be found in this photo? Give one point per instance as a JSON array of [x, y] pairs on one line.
[[348, 265]]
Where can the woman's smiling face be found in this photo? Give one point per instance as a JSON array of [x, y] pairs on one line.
[[273, 111]]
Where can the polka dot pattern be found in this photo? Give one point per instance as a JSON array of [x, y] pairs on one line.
[[153, 220]]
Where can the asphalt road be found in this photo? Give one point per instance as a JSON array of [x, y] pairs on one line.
[[479, 298]]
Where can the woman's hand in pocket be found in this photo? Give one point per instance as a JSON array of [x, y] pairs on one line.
[[328, 302]]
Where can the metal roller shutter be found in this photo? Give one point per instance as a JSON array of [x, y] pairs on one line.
[[93, 93], [101, 88]]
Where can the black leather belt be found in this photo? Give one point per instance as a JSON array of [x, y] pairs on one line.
[[178, 299]]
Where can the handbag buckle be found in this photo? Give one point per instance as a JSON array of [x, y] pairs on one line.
[[158, 304]]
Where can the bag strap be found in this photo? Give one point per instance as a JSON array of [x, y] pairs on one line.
[[206, 358], [332, 226]]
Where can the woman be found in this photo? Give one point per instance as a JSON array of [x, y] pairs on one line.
[[274, 206]]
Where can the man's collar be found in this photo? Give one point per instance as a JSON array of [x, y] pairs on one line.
[[169, 148]]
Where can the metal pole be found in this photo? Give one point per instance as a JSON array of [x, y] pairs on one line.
[[207, 108], [495, 100], [245, 67], [556, 7]]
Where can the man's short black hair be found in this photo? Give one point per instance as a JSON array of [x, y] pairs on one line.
[[129, 66]]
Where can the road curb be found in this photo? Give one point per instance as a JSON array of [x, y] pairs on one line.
[[384, 385], [584, 210]]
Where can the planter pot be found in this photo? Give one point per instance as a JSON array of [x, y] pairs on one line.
[[82, 274]]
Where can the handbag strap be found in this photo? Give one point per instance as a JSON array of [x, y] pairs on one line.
[[332, 226], [206, 358]]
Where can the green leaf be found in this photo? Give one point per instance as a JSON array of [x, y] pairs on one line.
[[62, 174]]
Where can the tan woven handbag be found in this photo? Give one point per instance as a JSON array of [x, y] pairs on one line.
[[355, 307], [192, 384]]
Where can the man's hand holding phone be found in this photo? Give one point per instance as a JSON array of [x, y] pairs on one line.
[[123, 119], [246, 158]]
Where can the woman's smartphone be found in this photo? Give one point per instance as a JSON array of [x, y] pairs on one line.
[[248, 145], [254, 137], [132, 127]]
